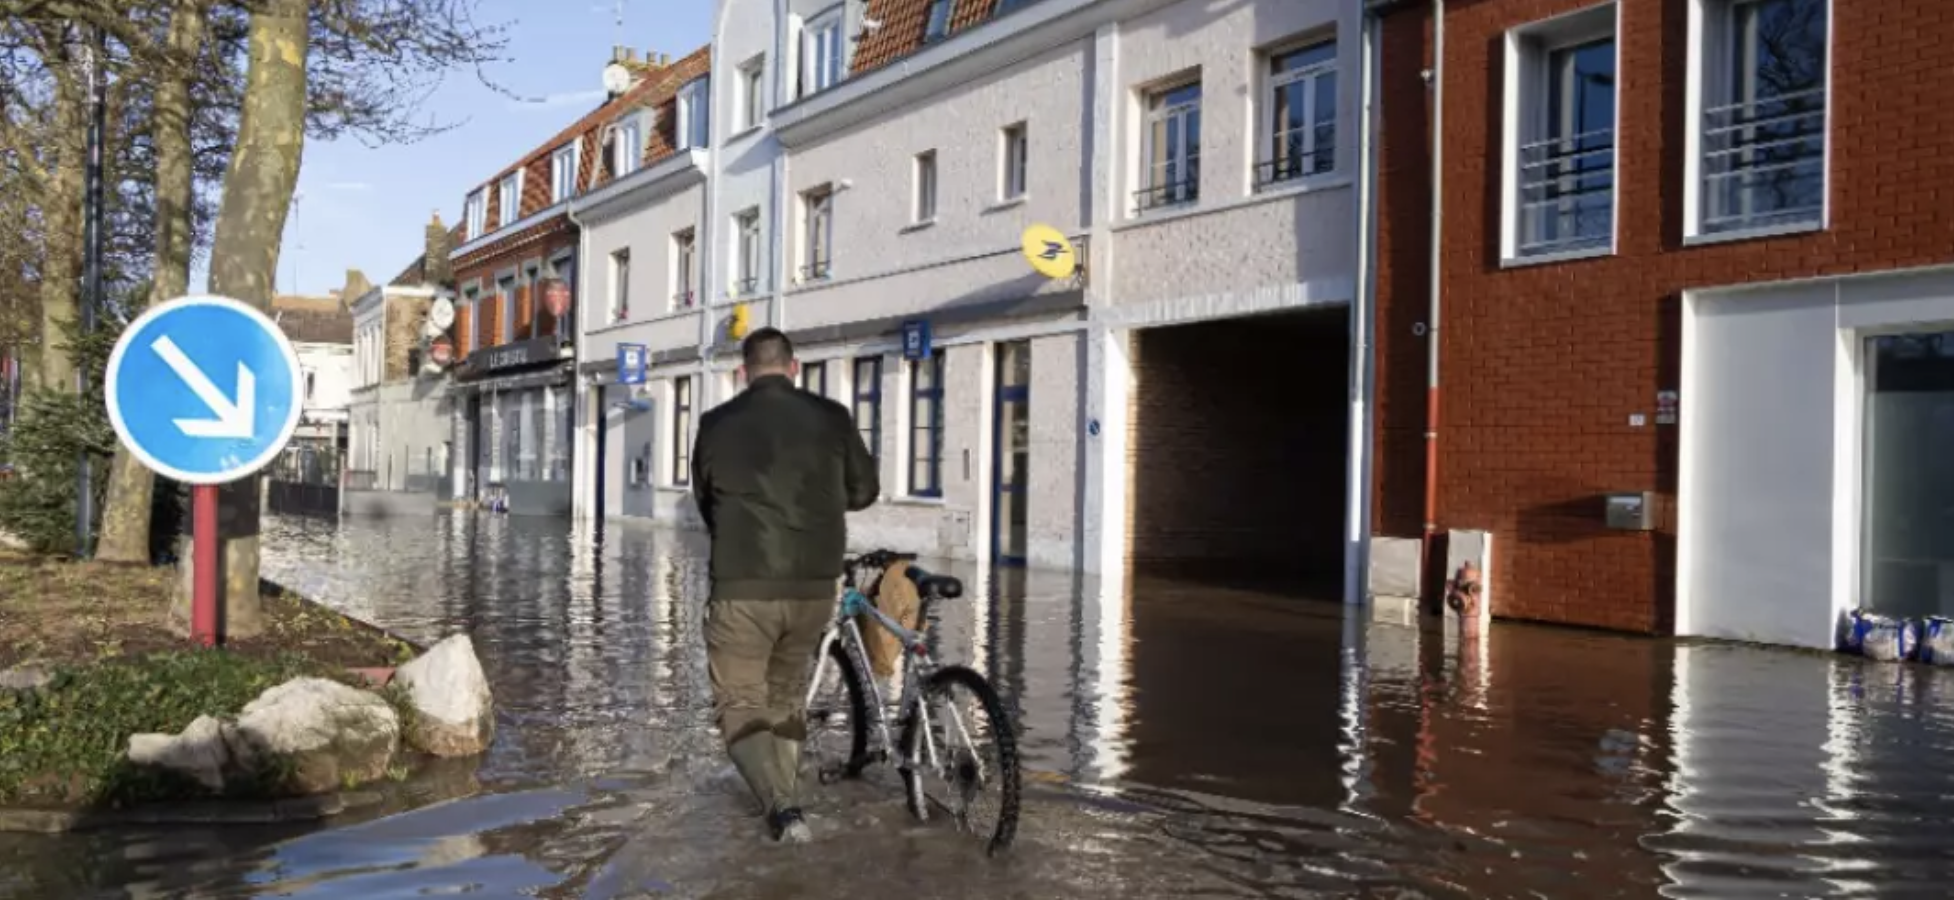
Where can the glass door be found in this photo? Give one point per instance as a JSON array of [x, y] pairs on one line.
[[1011, 460], [1907, 511]]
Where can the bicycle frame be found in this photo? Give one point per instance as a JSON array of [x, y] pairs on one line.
[[916, 668]]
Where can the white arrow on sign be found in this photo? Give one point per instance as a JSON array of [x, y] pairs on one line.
[[234, 420]]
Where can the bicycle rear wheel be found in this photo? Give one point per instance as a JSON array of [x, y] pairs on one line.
[[969, 767], [838, 720]]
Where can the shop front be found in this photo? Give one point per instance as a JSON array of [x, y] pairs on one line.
[[514, 418]]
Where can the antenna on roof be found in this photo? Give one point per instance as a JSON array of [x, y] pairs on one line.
[[620, 20]]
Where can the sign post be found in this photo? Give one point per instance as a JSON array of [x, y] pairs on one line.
[[204, 390]]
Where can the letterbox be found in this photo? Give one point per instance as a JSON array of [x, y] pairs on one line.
[[1632, 512]]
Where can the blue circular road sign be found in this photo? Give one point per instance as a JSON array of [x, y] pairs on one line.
[[204, 389]]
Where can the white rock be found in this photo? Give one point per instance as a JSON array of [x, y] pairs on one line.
[[454, 712], [331, 735], [198, 752], [25, 678]]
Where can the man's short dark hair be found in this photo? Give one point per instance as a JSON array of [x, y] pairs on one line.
[[767, 348]]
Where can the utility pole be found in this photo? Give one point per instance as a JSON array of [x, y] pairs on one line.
[[91, 272]]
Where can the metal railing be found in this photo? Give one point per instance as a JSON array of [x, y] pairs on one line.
[[1764, 161], [1567, 193], [1297, 164], [1173, 193], [747, 287], [682, 300], [817, 270]]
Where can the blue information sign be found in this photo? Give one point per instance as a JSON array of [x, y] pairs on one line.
[[204, 389], [631, 360], [916, 339]]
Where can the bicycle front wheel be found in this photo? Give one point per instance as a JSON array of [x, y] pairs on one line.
[[965, 763], [838, 719]]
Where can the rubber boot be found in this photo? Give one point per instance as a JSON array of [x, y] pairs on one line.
[[758, 761], [790, 770]]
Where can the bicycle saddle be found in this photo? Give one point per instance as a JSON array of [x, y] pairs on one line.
[[942, 587]]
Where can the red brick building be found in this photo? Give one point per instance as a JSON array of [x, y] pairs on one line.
[[1614, 176], [516, 359]]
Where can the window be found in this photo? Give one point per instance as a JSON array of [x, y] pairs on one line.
[[620, 284], [926, 426], [1173, 147], [505, 326], [563, 173], [1017, 159], [684, 248], [817, 233], [682, 431], [508, 197], [938, 25], [748, 264], [752, 97], [814, 378], [529, 428], [925, 187], [694, 115], [1762, 132], [1561, 187], [477, 214], [309, 385], [823, 53], [868, 402], [1302, 114], [627, 146], [471, 300], [531, 274]]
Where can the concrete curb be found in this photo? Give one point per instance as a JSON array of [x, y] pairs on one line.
[[201, 812]]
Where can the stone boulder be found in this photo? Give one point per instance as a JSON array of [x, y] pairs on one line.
[[198, 753], [326, 734], [454, 713], [25, 678]]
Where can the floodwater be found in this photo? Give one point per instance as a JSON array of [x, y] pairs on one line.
[[1183, 741]]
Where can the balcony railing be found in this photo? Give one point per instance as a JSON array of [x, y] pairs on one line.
[[1764, 162], [817, 270], [682, 300], [1296, 164], [1567, 193], [1172, 193], [747, 287]]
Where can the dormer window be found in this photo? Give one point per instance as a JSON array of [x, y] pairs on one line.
[[694, 115]]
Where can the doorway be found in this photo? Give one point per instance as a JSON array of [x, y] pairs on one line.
[[601, 411], [1011, 455], [1908, 509]]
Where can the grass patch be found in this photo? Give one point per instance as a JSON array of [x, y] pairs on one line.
[[63, 746]]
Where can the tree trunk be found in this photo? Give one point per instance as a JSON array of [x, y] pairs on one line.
[[125, 518], [61, 206], [258, 188]]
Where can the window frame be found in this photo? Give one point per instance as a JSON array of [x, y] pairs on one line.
[[807, 376], [1271, 171], [693, 130], [564, 163], [628, 145], [508, 195], [1014, 162], [752, 96], [1157, 109], [933, 429], [868, 390], [823, 33], [936, 21], [505, 294], [681, 432], [620, 299], [1526, 120], [817, 247], [922, 188], [685, 268], [471, 298], [1711, 91], [477, 213], [747, 254]]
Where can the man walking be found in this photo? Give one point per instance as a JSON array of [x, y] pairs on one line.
[[775, 472]]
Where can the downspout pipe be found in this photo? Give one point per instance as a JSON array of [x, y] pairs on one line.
[[1360, 490], [1429, 545]]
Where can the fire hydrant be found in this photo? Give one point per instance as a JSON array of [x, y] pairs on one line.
[[1462, 592]]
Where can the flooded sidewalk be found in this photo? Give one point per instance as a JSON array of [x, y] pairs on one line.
[[1181, 741]]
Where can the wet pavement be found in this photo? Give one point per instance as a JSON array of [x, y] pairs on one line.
[[1182, 741]]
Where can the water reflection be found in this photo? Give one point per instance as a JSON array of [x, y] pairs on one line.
[[1184, 740]]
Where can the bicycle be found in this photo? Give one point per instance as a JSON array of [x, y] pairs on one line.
[[938, 742]]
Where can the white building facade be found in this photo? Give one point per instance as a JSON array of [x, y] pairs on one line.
[[1201, 162]]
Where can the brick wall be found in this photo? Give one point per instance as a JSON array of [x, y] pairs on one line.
[[404, 318], [1236, 453], [1542, 366]]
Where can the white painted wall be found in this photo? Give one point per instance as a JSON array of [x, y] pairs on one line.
[[646, 228], [1238, 249], [330, 367], [1769, 542]]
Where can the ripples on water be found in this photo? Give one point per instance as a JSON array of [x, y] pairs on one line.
[[1185, 741]]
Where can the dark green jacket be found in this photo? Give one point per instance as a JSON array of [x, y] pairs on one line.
[[775, 471]]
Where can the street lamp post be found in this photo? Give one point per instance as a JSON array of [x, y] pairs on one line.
[[91, 272]]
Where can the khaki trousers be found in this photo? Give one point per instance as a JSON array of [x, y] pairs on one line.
[[760, 656]]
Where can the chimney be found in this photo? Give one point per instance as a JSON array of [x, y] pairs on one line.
[[356, 287], [436, 267]]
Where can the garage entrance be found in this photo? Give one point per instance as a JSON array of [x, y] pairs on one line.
[[1240, 430]]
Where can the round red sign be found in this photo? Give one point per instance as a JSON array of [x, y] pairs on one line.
[[556, 296], [441, 351]]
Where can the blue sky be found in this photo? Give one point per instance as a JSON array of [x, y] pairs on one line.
[[365, 208]]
